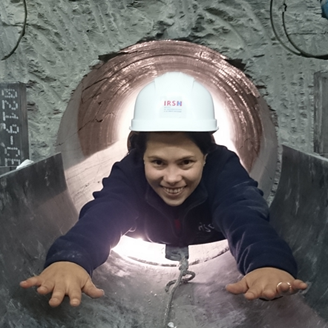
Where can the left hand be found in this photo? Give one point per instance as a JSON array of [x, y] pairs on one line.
[[266, 283]]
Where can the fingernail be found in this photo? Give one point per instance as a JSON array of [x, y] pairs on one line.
[[75, 302]]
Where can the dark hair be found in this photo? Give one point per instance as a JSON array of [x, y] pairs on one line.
[[203, 140]]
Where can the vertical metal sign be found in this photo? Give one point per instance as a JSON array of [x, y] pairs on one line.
[[320, 141], [14, 145]]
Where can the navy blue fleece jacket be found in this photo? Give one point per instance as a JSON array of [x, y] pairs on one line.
[[226, 204]]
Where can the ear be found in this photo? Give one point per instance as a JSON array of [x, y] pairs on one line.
[[205, 156]]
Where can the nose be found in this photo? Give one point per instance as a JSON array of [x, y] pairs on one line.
[[172, 175]]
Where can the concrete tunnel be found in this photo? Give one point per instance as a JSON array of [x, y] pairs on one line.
[[41, 201]]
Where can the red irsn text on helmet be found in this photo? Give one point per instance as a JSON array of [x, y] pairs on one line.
[[172, 103]]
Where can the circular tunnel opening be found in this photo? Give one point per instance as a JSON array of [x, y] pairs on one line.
[[94, 128]]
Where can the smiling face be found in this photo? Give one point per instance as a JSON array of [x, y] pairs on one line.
[[173, 166]]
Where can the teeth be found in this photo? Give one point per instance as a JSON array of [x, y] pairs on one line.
[[173, 190]]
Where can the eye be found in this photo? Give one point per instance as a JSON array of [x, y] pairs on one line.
[[186, 163], [157, 162]]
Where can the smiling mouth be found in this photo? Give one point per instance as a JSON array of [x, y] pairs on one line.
[[173, 191]]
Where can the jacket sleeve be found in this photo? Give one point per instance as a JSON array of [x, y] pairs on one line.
[[101, 223], [242, 215]]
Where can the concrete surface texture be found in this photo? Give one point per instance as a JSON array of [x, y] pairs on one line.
[[299, 214], [35, 208], [63, 38], [62, 44]]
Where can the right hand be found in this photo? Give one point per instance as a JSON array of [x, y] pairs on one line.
[[61, 279]]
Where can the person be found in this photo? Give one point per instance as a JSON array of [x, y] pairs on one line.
[[174, 181]]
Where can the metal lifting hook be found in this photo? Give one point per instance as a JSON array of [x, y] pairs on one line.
[[180, 254]]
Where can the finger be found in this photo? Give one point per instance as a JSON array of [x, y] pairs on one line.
[[45, 288], [30, 282], [91, 290], [270, 292], [57, 296], [75, 298], [298, 284], [253, 293], [258, 290], [239, 287], [75, 295], [285, 288]]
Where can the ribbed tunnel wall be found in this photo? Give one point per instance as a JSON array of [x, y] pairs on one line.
[[94, 129], [96, 122]]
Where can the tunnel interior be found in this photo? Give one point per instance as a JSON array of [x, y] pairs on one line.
[[41, 202], [96, 121], [95, 125]]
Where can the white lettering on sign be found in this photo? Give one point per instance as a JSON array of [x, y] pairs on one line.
[[9, 93], [13, 116], [14, 128], [10, 127], [11, 105], [12, 162]]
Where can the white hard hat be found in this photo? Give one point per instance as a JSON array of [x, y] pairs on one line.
[[174, 102]]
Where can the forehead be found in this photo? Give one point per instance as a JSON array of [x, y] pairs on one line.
[[166, 137], [161, 142]]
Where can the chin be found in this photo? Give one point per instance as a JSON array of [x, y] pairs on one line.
[[173, 202]]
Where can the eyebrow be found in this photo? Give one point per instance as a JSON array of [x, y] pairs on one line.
[[188, 157], [153, 156], [180, 159]]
